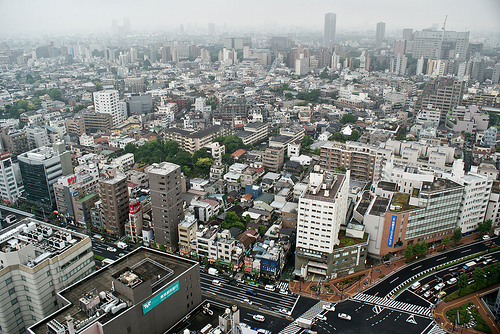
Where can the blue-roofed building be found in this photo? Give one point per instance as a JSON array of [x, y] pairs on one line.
[[253, 190]]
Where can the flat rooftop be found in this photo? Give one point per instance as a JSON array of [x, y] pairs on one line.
[[328, 194], [439, 185], [159, 267]]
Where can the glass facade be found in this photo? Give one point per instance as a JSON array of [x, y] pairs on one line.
[[36, 187]]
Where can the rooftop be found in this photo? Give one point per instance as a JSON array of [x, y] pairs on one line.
[[439, 184]]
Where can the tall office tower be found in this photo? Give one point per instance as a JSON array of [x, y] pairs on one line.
[[166, 203], [40, 169], [10, 188], [133, 55], [166, 55], [495, 76], [434, 45], [321, 212], [398, 64], [420, 66], [126, 25], [211, 28], [380, 34], [113, 193], [330, 27], [106, 101], [444, 93], [30, 280], [400, 47], [408, 34]]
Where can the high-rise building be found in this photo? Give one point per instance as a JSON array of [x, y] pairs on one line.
[[495, 77], [38, 261], [107, 101], [400, 47], [330, 27], [434, 45], [321, 212], [398, 64], [166, 203], [14, 141], [380, 34], [444, 93], [10, 187], [113, 192], [40, 169]]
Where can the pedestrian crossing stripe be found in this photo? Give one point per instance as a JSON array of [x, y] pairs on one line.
[[411, 319]]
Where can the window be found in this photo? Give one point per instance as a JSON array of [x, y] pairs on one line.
[[17, 311], [50, 283], [48, 273], [33, 317], [19, 321], [11, 291], [8, 281], [23, 278], [32, 309], [13, 301], [28, 298], [26, 288], [22, 330]]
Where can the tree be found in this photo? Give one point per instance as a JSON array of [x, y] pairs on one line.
[[55, 94], [77, 108], [162, 248], [408, 252], [348, 118], [29, 79], [485, 227], [417, 249], [205, 260], [457, 235], [306, 142], [232, 218], [204, 164], [171, 148], [130, 148], [201, 153], [424, 246], [462, 283], [446, 241], [248, 219], [478, 277]]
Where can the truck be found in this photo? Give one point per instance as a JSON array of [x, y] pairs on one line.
[[122, 245], [469, 265], [213, 271], [304, 323]]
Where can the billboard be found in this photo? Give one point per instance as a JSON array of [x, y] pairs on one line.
[[391, 230], [156, 300]]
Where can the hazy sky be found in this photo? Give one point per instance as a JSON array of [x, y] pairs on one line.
[[60, 16]]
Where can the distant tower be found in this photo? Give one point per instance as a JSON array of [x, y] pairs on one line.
[[330, 26], [126, 25], [379, 37]]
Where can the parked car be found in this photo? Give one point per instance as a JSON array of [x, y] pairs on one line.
[[248, 301], [344, 316], [329, 307], [427, 294], [415, 285], [270, 287], [486, 237], [283, 291], [439, 286], [216, 282], [441, 294], [451, 281], [426, 287], [321, 317], [259, 317], [250, 292], [283, 310], [111, 249]]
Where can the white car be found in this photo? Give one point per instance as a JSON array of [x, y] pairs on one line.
[[248, 301], [283, 292], [283, 310], [111, 249], [321, 317], [259, 317], [427, 294], [216, 282], [439, 286], [344, 316], [270, 287], [329, 307], [486, 237], [426, 287], [451, 281], [121, 254]]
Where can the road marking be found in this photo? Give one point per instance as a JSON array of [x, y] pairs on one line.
[[411, 319], [465, 251], [393, 280], [443, 258], [417, 267]]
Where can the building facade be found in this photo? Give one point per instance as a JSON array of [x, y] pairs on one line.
[[113, 193]]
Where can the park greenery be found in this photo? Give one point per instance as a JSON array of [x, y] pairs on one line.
[[348, 118], [339, 137]]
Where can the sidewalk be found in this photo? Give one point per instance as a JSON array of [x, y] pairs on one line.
[[440, 311], [372, 277]]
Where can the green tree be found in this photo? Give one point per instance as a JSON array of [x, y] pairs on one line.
[[171, 148], [306, 142], [248, 219], [130, 148], [205, 260], [354, 136], [262, 229], [424, 246], [457, 235], [55, 94], [485, 227], [462, 283], [77, 108], [478, 277], [153, 244], [446, 241], [29, 79], [408, 252], [232, 218], [417, 249], [201, 153], [348, 118], [162, 248], [204, 164]]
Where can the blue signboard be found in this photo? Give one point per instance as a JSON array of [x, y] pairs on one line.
[[391, 231], [74, 194], [156, 300]]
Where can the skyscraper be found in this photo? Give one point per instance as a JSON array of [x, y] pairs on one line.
[[114, 202], [166, 203], [330, 26], [380, 34]]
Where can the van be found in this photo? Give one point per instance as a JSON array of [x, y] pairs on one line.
[[269, 287], [415, 285], [250, 292]]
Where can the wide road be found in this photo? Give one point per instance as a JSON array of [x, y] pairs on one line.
[[388, 284], [100, 248]]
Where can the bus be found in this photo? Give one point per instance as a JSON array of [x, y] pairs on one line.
[[105, 262]]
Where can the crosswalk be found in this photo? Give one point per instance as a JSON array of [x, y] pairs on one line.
[[309, 314], [282, 285], [436, 329], [393, 304]]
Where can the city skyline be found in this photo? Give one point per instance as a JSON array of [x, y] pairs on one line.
[[56, 17]]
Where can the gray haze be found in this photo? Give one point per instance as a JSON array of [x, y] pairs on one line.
[[58, 16]]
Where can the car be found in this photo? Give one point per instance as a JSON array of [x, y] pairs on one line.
[[439, 286], [270, 287], [111, 249], [259, 317], [344, 316], [451, 281], [239, 280], [250, 292], [441, 294], [283, 310], [329, 307], [486, 237], [216, 282], [121, 254], [248, 301], [321, 317], [426, 287], [283, 291], [427, 294], [415, 286]]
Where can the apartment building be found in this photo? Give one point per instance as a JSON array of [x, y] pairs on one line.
[[38, 260], [11, 186], [253, 133], [114, 199], [193, 141], [187, 235], [166, 203], [95, 121], [273, 158], [444, 93], [364, 161], [321, 212], [75, 125], [107, 102], [14, 141]]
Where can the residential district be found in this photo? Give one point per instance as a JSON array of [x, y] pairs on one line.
[[250, 184]]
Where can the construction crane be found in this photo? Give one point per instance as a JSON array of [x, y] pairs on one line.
[[444, 26]]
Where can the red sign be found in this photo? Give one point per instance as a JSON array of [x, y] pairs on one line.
[[4, 155], [134, 208], [71, 180]]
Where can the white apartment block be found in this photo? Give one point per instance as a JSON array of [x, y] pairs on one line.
[[107, 101], [37, 137], [428, 116], [10, 187], [216, 150], [206, 242], [86, 140], [38, 260]]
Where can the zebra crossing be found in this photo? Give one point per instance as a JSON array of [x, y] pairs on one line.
[[282, 285], [309, 314], [393, 304], [436, 329]]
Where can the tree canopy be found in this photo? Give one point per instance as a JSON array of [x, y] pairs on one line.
[[231, 142], [55, 94], [348, 118]]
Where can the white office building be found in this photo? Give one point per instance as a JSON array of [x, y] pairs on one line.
[[107, 101], [10, 185]]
